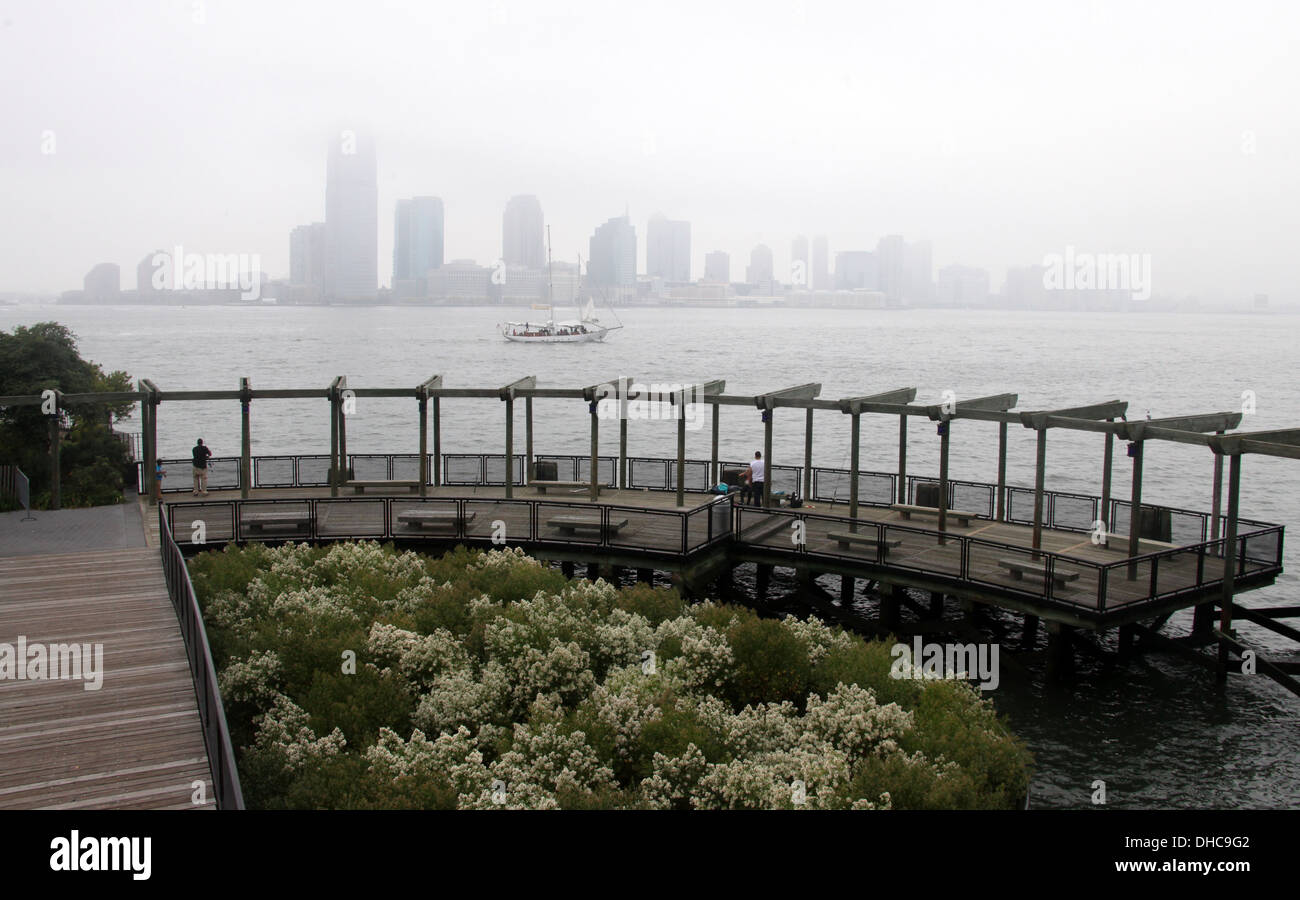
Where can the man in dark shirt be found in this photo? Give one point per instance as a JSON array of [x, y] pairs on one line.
[[201, 454]]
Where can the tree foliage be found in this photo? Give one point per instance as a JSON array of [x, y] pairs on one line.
[[42, 357]]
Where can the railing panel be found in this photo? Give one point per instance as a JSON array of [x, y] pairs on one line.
[[1020, 506], [462, 469], [314, 471], [350, 518], [223, 474], [1072, 512], [409, 519], [697, 475], [654, 530], [1261, 549], [273, 471], [571, 523], [972, 497], [274, 520], [202, 522], [406, 467], [647, 473], [370, 466], [506, 522], [494, 469]]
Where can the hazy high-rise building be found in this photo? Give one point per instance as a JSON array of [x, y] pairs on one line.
[[1024, 288], [717, 266], [800, 274], [963, 286], [351, 219], [821, 263], [307, 254], [103, 282], [918, 273], [890, 253], [668, 249], [522, 239], [612, 257], [144, 273], [760, 265], [857, 270], [417, 243]]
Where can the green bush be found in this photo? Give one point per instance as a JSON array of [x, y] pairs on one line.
[[358, 677]]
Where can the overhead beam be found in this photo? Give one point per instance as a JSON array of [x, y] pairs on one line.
[[1112, 409], [971, 408], [854, 405]]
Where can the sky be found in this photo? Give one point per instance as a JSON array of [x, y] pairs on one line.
[[1000, 131]]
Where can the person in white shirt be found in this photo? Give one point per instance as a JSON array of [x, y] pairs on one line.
[[757, 477]]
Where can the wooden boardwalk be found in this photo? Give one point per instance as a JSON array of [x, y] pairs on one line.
[[136, 742]]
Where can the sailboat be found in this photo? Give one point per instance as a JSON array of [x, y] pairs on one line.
[[583, 330]]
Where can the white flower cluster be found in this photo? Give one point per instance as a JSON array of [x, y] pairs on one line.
[[419, 658], [253, 680], [284, 736]]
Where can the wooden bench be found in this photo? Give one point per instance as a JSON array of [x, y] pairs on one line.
[[574, 486], [574, 524], [865, 538], [259, 521], [360, 486], [435, 518], [1145, 545], [1018, 568], [907, 510]]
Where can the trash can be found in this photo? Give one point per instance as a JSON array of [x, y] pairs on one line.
[[926, 493], [545, 470]]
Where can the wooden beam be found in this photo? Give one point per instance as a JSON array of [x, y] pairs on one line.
[[854, 405], [791, 396], [245, 438], [971, 408], [1111, 409]]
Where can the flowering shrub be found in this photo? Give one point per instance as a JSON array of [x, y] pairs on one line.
[[355, 676]]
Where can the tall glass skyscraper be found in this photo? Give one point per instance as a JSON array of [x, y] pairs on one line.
[[522, 243], [351, 219], [417, 240], [612, 261]]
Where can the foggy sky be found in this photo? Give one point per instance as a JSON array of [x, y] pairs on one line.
[[1000, 131]]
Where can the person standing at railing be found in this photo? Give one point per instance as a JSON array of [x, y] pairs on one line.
[[158, 473], [201, 455], [757, 476]]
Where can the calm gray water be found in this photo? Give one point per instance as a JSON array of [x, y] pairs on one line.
[[1160, 732]]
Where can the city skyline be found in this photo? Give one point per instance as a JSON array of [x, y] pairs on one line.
[[999, 141]]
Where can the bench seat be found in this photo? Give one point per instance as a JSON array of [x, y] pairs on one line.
[[257, 521], [541, 486], [574, 524], [431, 518], [865, 538], [1018, 568], [360, 486], [907, 510]]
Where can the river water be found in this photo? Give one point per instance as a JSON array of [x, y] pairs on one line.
[[1157, 730]]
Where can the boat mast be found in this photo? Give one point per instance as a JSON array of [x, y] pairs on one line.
[[550, 298]]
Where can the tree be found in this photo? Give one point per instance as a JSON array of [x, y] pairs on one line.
[[44, 357]]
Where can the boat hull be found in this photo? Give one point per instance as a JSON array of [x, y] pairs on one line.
[[589, 337]]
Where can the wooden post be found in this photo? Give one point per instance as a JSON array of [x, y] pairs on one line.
[[945, 427], [807, 453], [1000, 506], [595, 457], [55, 488], [156, 489], [1217, 500], [1135, 508], [245, 438], [424, 442], [902, 458], [622, 431], [528, 439], [334, 442], [437, 441], [510, 447], [714, 478], [1107, 462], [770, 413], [344, 475], [148, 451], [681, 451], [1229, 559], [855, 433], [1040, 474]]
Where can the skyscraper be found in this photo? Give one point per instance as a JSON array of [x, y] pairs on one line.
[[612, 260], [918, 275], [800, 276], [668, 249], [307, 254], [856, 270], [351, 219], [890, 253], [717, 266], [821, 264], [760, 266], [103, 282], [522, 243], [417, 242]]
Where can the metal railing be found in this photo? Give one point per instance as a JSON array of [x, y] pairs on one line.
[[15, 487], [216, 735], [669, 532]]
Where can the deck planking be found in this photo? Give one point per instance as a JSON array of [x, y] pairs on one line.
[[137, 742]]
